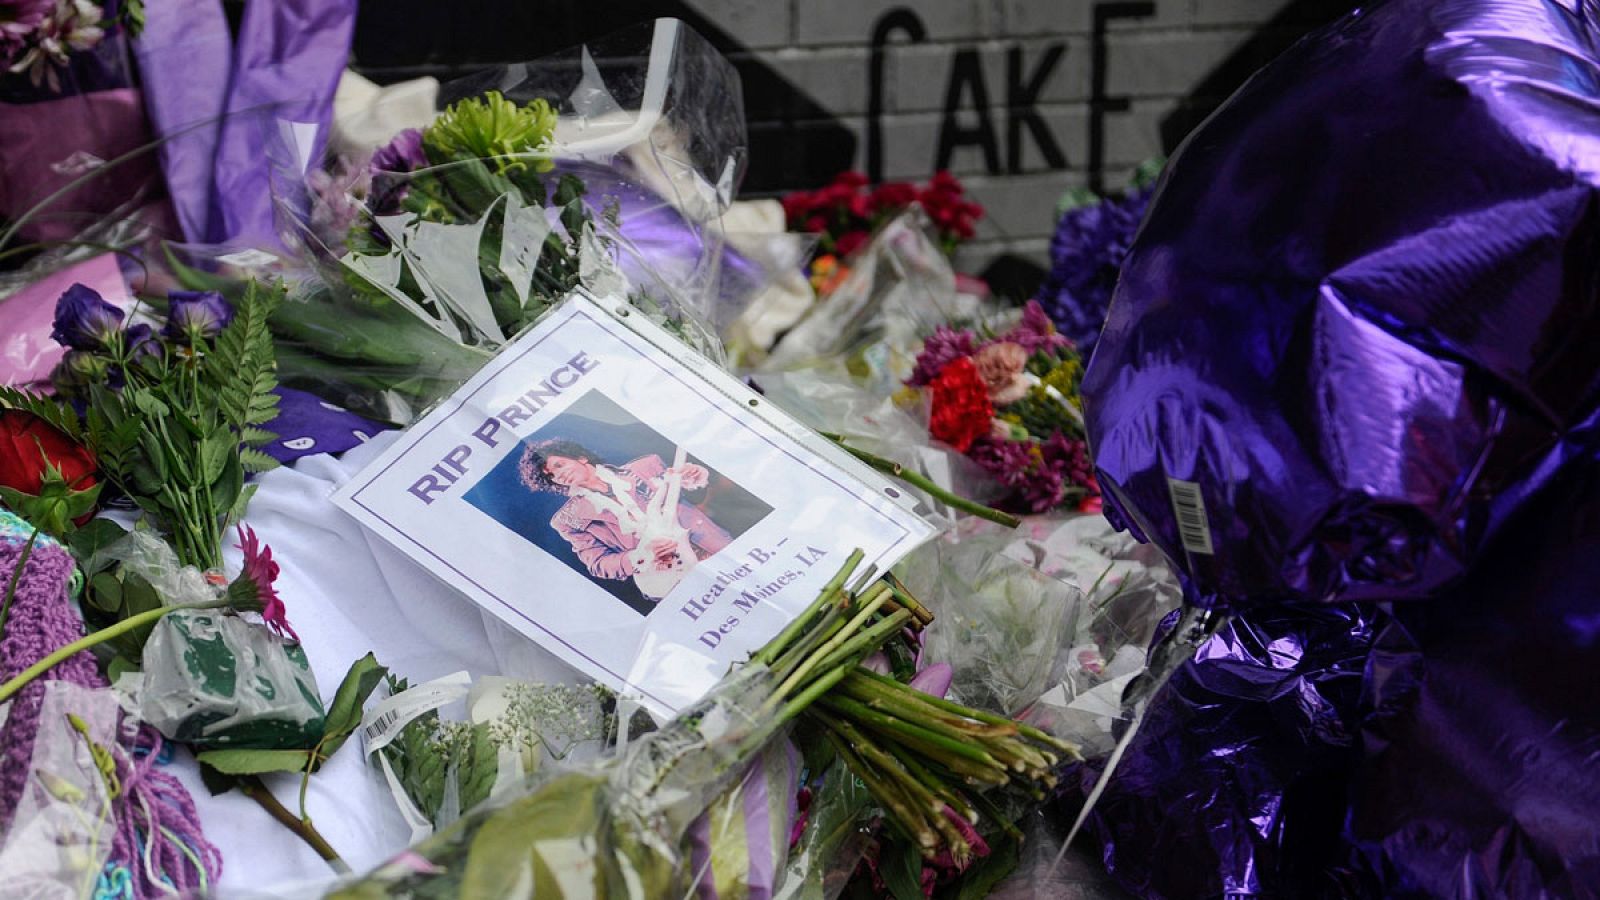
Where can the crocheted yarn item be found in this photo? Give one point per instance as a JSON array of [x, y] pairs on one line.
[[158, 839]]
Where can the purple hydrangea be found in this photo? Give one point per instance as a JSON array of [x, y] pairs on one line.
[[941, 348], [1086, 256], [84, 320], [196, 315]]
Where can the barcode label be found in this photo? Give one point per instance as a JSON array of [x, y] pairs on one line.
[[381, 727], [384, 721], [1193, 530]]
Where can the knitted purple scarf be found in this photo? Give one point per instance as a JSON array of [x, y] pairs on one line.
[[158, 836]]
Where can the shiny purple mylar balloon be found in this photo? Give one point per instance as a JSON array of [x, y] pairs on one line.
[[1354, 355], [1364, 308]]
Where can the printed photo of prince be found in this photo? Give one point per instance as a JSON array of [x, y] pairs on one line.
[[615, 501]]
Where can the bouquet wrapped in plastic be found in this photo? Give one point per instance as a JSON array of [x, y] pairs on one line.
[[622, 828], [455, 237]]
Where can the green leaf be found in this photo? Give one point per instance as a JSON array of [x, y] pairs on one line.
[[215, 453], [94, 536], [59, 414], [216, 782], [236, 511], [238, 761], [900, 865], [256, 461], [118, 666], [344, 714], [227, 489], [105, 592]]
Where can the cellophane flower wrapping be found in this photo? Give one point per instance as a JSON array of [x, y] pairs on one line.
[[62, 827], [605, 167], [1359, 320], [210, 678], [893, 291], [612, 829]]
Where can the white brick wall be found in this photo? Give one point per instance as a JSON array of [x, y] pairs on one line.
[[1152, 61]]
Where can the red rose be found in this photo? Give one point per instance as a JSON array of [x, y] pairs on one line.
[[961, 410], [44, 475]]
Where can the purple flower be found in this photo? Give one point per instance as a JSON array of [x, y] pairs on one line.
[[84, 320], [1086, 256], [944, 346], [1035, 332], [402, 154], [196, 316], [140, 343]]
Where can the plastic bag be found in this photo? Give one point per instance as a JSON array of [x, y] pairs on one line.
[[1001, 625], [211, 679]]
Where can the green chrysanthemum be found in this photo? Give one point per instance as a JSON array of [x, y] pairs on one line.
[[492, 128]]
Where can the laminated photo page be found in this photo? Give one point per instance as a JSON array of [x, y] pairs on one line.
[[622, 501]]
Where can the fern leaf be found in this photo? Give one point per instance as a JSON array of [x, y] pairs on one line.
[[60, 415]]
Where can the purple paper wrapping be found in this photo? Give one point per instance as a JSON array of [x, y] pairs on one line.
[[286, 67], [185, 56], [1364, 300], [225, 109]]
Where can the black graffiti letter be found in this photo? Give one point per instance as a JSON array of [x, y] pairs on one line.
[[1022, 100], [1099, 103], [966, 75], [897, 19]]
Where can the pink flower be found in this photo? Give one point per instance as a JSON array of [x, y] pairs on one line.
[[1035, 332], [259, 575], [1000, 365], [934, 680]]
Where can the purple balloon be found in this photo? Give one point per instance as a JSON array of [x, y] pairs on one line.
[[1363, 305]]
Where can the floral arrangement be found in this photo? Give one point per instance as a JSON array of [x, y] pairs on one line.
[[1009, 401], [172, 419], [845, 213], [412, 322], [38, 36], [927, 762]]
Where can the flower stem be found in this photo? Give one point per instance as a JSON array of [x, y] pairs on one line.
[[252, 787], [927, 486], [776, 646], [16, 578], [62, 654]]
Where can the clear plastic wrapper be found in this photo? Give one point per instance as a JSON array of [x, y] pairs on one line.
[[63, 825], [1000, 625], [894, 292], [606, 167], [615, 829], [211, 679], [214, 680]]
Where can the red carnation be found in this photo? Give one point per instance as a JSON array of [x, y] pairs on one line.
[[961, 410]]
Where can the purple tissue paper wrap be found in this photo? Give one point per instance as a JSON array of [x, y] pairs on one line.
[[1363, 304], [1361, 319]]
